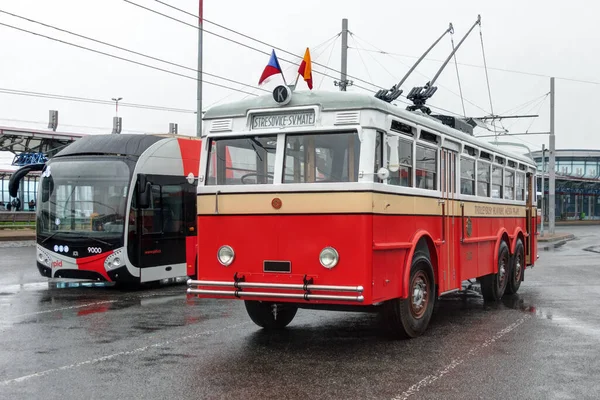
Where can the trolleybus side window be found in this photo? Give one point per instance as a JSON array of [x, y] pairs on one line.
[[378, 154], [496, 181], [509, 184], [426, 168], [236, 161], [483, 179], [520, 191], [400, 161], [467, 176], [328, 157]]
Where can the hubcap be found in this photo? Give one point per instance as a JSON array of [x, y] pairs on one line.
[[502, 272], [518, 268], [419, 297]]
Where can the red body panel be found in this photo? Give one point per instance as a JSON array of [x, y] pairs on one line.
[[375, 250]]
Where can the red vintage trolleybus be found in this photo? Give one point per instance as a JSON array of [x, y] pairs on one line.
[[338, 200]]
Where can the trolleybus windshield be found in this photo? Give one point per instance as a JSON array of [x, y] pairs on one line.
[[87, 198], [308, 158]]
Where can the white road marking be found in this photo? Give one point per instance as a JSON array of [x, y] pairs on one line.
[[429, 379], [115, 355]]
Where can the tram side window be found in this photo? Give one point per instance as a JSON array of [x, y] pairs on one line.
[[496, 182], [244, 160], [509, 184], [378, 155], [315, 158], [483, 179], [520, 191], [400, 161], [426, 166], [467, 176]]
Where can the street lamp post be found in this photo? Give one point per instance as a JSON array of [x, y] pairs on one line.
[[116, 100]]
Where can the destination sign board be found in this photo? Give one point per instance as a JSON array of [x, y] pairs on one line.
[[281, 120]]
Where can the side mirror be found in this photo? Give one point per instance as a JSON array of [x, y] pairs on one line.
[[47, 188], [144, 197], [383, 173]]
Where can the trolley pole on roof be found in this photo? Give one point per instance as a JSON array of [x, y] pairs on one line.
[[199, 106], [551, 163]]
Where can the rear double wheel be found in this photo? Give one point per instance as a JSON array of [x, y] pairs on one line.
[[516, 271], [270, 316], [493, 286], [409, 318]]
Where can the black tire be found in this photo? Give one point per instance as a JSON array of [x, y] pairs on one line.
[[409, 318], [516, 269], [493, 286], [266, 316]]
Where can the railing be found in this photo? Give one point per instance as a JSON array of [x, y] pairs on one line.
[[17, 219]]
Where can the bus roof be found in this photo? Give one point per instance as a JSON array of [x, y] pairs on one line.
[[126, 144], [333, 101]]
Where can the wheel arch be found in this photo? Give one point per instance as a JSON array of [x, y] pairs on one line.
[[421, 241]]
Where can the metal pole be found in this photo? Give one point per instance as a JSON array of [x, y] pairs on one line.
[[543, 190], [551, 167], [343, 77], [199, 105]]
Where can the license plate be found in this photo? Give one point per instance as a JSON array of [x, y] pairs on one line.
[[277, 266]]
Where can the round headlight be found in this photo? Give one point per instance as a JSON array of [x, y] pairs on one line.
[[225, 255], [329, 257], [116, 262]]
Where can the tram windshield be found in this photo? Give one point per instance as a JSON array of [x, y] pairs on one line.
[[308, 158], [84, 197]]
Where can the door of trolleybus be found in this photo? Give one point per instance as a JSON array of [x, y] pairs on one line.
[[447, 280]]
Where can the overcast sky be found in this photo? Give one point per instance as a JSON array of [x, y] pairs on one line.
[[539, 37]]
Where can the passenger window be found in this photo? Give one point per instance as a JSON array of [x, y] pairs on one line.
[[467, 176], [496, 182], [483, 179], [400, 161], [509, 185], [426, 168]]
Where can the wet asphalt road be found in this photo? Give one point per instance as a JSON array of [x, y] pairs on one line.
[[99, 342]]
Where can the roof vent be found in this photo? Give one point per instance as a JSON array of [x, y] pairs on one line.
[[347, 118], [221, 125]]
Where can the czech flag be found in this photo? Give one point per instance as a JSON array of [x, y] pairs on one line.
[[306, 69], [272, 68]]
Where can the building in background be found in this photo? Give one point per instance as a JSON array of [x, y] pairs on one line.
[[577, 183]]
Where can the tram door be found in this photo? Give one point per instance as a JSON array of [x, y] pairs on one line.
[[449, 206]]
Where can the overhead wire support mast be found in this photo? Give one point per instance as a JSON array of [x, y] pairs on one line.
[[389, 95], [419, 94]]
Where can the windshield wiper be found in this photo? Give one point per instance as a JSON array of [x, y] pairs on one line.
[[100, 241], [49, 237]]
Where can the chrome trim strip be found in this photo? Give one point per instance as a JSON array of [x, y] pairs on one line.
[[290, 286], [358, 299]]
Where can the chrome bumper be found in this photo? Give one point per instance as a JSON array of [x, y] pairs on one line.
[[238, 287]]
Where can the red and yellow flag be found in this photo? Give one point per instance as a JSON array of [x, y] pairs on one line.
[[306, 69]]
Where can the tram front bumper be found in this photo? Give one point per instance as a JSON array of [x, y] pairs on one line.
[[307, 289]]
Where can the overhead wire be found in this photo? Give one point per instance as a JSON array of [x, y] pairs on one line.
[[462, 100], [124, 59], [513, 71], [92, 100], [420, 73], [255, 48], [487, 79], [240, 34], [126, 50]]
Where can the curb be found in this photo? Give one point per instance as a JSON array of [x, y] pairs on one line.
[[556, 243]]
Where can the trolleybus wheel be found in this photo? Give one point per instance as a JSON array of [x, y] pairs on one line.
[[516, 271], [409, 318], [270, 315], [493, 286]]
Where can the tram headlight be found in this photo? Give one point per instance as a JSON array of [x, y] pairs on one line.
[[225, 255], [329, 257]]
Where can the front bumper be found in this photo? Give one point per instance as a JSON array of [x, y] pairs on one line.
[[238, 286]]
